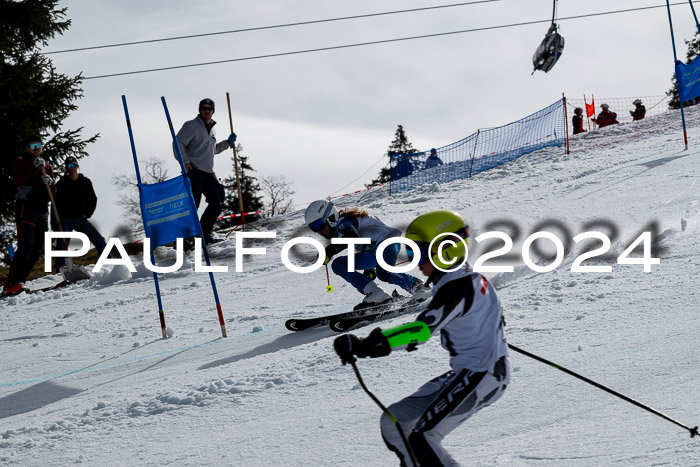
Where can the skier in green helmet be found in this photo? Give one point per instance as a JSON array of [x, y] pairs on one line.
[[466, 311]]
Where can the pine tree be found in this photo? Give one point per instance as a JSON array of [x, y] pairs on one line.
[[250, 190], [693, 51], [34, 97], [400, 145]]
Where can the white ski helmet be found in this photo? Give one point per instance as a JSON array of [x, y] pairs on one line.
[[319, 213]]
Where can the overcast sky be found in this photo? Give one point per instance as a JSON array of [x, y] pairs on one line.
[[323, 119]]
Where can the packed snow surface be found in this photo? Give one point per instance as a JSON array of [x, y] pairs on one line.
[[85, 376]]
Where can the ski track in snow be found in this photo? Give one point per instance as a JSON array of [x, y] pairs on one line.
[[86, 379]]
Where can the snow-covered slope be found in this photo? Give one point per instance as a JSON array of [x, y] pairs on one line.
[[85, 377]]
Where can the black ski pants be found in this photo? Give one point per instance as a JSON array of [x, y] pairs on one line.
[[32, 225], [205, 183]]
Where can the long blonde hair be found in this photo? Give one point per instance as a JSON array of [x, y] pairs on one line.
[[353, 213]]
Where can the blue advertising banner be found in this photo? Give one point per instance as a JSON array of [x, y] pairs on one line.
[[688, 78], [167, 211]]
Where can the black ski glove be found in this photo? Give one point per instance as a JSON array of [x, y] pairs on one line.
[[332, 250], [348, 346], [371, 273]]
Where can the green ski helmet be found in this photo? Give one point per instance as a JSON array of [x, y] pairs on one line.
[[426, 227]]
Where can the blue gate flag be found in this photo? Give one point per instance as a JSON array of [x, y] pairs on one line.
[[688, 78], [167, 210]]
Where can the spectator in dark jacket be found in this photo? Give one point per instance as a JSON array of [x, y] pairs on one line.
[[606, 117], [76, 202], [577, 120], [32, 175], [639, 110], [433, 159]]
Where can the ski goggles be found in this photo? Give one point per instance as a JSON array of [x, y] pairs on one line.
[[34, 145], [71, 165], [423, 252], [317, 225]]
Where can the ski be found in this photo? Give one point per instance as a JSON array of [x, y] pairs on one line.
[[60, 285], [342, 324], [300, 324]]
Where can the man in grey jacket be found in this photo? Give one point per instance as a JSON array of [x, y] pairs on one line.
[[198, 146]]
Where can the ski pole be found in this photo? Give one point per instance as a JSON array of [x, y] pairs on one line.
[[693, 431], [329, 287], [386, 411]]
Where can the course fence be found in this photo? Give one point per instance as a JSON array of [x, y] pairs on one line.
[[483, 150], [655, 105]]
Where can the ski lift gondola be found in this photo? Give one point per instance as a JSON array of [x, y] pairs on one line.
[[551, 47]]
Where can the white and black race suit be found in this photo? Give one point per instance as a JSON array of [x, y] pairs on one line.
[[465, 310]]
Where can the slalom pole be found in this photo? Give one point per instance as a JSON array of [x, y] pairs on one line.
[[193, 206], [161, 313], [693, 431], [678, 81], [329, 287], [588, 121], [386, 412], [235, 164]]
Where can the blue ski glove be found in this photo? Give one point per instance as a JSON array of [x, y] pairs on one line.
[[231, 139]]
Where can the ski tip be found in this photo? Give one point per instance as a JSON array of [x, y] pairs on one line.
[[337, 326]]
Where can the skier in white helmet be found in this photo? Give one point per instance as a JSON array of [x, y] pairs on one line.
[[466, 312], [324, 218]]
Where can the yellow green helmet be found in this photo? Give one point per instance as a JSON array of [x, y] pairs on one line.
[[426, 227]]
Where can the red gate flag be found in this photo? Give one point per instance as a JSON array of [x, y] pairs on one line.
[[590, 109]]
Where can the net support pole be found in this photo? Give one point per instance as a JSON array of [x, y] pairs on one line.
[[566, 123], [678, 81], [193, 209], [161, 313]]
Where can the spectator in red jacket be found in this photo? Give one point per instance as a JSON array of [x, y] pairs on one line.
[[639, 110], [32, 175], [577, 120], [606, 117]]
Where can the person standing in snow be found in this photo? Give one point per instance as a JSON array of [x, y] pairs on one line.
[[466, 312], [76, 202], [32, 175], [577, 120], [606, 117], [323, 218], [433, 160], [197, 140], [639, 110]]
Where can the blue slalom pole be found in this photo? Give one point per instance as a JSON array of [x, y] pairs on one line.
[[679, 79], [694, 15], [195, 217], [161, 313]]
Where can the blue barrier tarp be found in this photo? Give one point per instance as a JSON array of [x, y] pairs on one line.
[[688, 79], [168, 213]]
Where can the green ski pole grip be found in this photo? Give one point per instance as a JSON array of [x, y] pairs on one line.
[[406, 334]]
